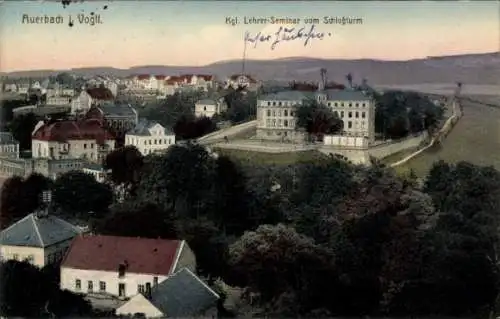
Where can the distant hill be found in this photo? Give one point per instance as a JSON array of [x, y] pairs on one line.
[[481, 68]]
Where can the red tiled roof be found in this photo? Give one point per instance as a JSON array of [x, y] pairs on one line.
[[143, 77], [205, 77], [100, 93], [106, 253], [160, 77], [185, 77], [62, 131]]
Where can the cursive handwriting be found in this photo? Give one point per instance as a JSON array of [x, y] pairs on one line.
[[285, 34]]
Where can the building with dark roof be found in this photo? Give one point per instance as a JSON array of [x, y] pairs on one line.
[[90, 97], [150, 137], [87, 139], [276, 113], [9, 146], [39, 238], [119, 118], [182, 295], [121, 266]]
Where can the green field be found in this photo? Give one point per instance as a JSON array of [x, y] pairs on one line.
[[475, 138], [247, 157]]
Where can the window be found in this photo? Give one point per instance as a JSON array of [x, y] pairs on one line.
[[145, 142], [357, 104], [140, 289], [285, 122], [102, 286], [350, 104], [279, 103], [268, 104], [78, 284], [274, 113], [350, 114], [363, 105], [292, 113], [335, 104], [268, 122], [274, 103], [85, 146], [336, 114], [274, 123], [30, 259], [90, 286], [363, 115], [280, 123], [329, 104], [285, 113], [342, 104], [149, 142], [155, 281], [15, 256], [91, 145], [204, 108], [357, 114], [342, 114], [268, 112], [279, 113], [349, 124]]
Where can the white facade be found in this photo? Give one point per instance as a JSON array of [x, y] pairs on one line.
[[276, 113], [36, 256], [58, 100], [86, 149], [209, 108], [9, 147], [91, 281], [82, 103], [150, 139], [345, 141], [98, 173]]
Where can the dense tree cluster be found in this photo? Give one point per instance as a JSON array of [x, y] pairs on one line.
[[20, 197], [29, 292], [325, 238], [398, 113], [317, 119]]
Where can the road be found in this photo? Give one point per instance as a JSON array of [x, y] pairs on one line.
[[218, 136]]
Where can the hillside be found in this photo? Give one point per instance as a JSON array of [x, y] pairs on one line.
[[481, 68]]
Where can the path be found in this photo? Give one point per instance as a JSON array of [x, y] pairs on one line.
[[443, 132]]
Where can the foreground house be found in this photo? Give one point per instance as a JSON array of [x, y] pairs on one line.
[[38, 238], [122, 267], [180, 296], [86, 139], [150, 137]]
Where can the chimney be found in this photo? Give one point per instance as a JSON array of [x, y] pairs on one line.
[[147, 293]]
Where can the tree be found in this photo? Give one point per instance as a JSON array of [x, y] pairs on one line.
[[125, 164], [77, 194], [276, 260], [179, 180], [317, 119], [137, 219], [20, 197], [26, 291], [188, 127], [21, 128]]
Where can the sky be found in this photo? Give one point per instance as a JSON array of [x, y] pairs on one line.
[[195, 33]]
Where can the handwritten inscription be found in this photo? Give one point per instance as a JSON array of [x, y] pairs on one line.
[[284, 34]]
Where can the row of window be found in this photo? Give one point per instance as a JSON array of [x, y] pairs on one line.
[[28, 258], [9, 148], [341, 104], [285, 113], [141, 288], [279, 123], [350, 114], [163, 141]]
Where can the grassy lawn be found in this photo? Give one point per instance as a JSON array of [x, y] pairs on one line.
[[475, 138], [246, 157]]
